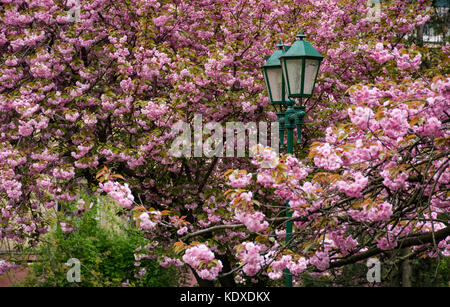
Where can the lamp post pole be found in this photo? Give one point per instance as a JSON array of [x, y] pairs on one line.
[[290, 73], [292, 118]]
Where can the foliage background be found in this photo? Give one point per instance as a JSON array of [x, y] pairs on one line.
[[105, 246]]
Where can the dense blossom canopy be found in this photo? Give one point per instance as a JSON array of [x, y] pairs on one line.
[[101, 90]]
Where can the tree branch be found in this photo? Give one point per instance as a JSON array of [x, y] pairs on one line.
[[406, 242]]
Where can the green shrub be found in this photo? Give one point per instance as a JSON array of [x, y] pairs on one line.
[[105, 252]]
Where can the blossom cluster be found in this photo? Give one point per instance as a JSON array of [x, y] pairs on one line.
[[120, 193], [202, 259], [250, 254], [239, 179], [149, 221], [295, 267], [253, 221], [382, 54]]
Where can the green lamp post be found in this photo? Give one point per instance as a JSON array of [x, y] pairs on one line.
[[300, 66], [273, 76], [276, 85], [290, 74]]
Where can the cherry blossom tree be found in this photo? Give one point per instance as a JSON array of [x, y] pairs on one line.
[[94, 98]]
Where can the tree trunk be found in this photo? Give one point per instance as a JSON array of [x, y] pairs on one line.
[[227, 281], [406, 270], [420, 35]]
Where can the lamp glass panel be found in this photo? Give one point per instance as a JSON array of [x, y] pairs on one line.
[[294, 73], [311, 69], [275, 81]]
